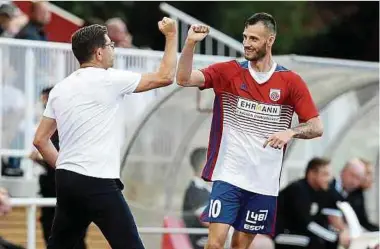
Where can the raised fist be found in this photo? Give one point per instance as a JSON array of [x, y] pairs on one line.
[[167, 26], [198, 32]]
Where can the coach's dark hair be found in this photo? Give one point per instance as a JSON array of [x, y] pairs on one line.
[[85, 40], [197, 156], [316, 163], [46, 90], [265, 19]]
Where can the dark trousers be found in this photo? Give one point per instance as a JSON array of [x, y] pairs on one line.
[[47, 217], [82, 200]]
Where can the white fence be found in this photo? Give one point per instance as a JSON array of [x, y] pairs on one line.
[[26, 67]]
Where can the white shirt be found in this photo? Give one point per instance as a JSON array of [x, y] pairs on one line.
[[85, 106]]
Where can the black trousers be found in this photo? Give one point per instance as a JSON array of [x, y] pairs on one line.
[[82, 200], [47, 189], [47, 217]]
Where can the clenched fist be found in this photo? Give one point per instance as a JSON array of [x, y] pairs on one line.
[[167, 27], [198, 32]]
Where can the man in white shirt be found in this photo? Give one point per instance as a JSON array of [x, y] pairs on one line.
[[84, 109]]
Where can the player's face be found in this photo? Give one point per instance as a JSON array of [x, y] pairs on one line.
[[257, 41], [323, 177]]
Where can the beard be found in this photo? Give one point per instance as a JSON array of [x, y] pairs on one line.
[[257, 54]]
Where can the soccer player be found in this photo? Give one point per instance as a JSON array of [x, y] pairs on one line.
[[84, 107], [253, 108]]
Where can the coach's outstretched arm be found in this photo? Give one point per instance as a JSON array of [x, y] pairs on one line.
[[166, 72], [185, 75]]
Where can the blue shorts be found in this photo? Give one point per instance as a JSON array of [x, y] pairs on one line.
[[245, 211]]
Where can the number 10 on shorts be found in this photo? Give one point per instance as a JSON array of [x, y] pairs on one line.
[[215, 208]]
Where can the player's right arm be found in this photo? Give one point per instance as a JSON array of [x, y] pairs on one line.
[[186, 76]]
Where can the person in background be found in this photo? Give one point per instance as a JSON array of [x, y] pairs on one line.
[[6, 208], [7, 12], [39, 18], [303, 209], [196, 198], [350, 179], [118, 33], [357, 201]]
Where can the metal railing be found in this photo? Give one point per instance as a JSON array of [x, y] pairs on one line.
[[31, 205], [225, 45]]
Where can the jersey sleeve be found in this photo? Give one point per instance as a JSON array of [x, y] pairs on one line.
[[49, 111], [215, 76], [122, 81], [302, 101]]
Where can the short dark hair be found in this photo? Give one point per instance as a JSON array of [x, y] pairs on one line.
[[197, 156], [46, 90], [316, 163], [264, 18], [85, 40]]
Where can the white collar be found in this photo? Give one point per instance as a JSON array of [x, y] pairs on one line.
[[267, 75]]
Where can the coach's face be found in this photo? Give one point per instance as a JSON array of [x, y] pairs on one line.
[[107, 53], [257, 41]]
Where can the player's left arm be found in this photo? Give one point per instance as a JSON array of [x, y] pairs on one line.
[[310, 123], [310, 129]]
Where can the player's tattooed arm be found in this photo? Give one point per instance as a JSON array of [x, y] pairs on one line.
[[311, 129], [308, 130]]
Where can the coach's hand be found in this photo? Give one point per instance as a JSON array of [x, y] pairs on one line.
[[167, 27], [198, 32], [279, 139]]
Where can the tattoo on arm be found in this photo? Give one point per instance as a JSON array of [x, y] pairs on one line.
[[306, 130]]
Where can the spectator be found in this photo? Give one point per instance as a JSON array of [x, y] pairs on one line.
[[34, 29], [5, 208], [12, 103], [356, 198], [47, 181], [302, 208], [118, 33], [196, 198], [349, 180], [7, 12]]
